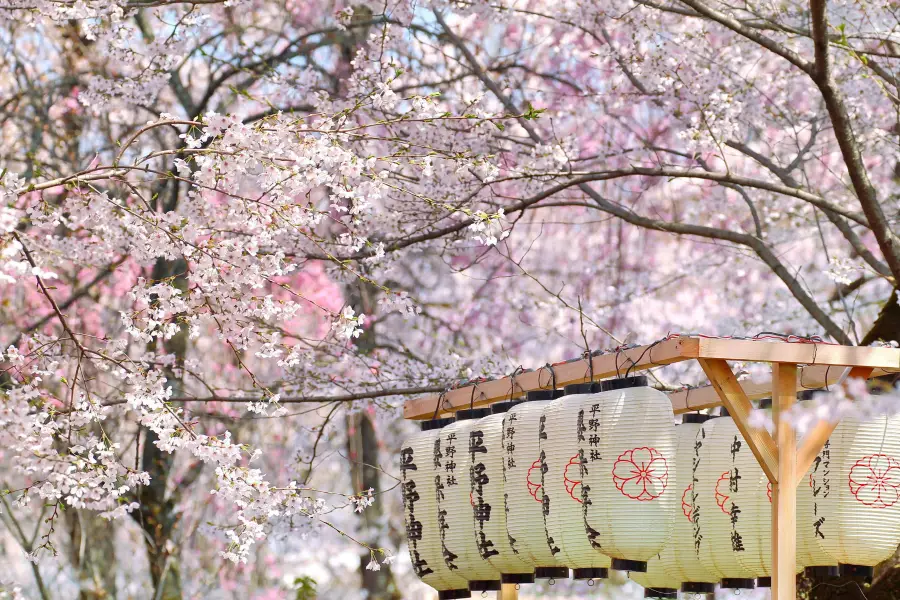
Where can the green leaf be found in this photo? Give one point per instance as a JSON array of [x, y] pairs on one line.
[[532, 113]]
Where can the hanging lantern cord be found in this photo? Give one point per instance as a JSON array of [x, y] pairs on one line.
[[472, 399], [484, 594], [512, 380], [441, 400], [552, 376]]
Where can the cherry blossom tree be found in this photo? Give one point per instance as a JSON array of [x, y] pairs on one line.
[[236, 234]]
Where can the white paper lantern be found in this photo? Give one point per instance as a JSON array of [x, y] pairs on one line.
[[629, 471], [715, 541], [657, 582], [523, 490], [810, 555], [856, 489], [488, 490], [462, 550], [749, 506], [417, 469], [679, 557], [563, 499]]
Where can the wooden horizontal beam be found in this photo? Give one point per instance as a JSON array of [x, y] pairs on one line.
[[799, 353], [809, 378], [825, 358], [577, 371]]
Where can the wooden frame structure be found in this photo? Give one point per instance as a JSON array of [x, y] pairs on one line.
[[795, 366]]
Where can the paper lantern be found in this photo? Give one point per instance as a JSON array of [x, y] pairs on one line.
[[856, 491], [749, 507], [417, 472], [629, 461], [810, 554], [715, 542], [523, 490], [678, 557], [463, 551], [657, 582], [562, 429], [487, 452]]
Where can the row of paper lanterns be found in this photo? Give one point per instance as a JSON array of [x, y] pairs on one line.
[[598, 476]]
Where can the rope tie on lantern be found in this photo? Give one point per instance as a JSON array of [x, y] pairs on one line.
[[512, 381], [441, 403], [549, 367]]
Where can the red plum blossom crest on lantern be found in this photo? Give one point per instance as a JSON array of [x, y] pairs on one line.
[[641, 474], [534, 487], [875, 480]]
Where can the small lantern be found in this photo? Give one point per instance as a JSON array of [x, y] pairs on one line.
[[417, 469], [657, 582], [563, 429], [629, 465], [463, 550], [856, 493], [716, 542], [488, 492], [679, 558], [523, 491]]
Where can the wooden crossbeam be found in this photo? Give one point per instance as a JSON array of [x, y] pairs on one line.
[[738, 404], [815, 439], [794, 353], [577, 371], [824, 358], [808, 378]]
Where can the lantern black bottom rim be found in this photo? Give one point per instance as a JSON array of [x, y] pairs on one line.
[[856, 571], [738, 583], [484, 585], [764, 582], [698, 587], [591, 573], [660, 593], [551, 573], [822, 572], [454, 594], [517, 578], [621, 564]]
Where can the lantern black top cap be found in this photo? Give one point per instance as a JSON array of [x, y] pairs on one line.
[[579, 388], [535, 395], [624, 382], [433, 424], [807, 394], [472, 413], [502, 407], [695, 418]]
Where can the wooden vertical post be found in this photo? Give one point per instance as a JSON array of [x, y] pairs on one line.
[[784, 492], [508, 592]]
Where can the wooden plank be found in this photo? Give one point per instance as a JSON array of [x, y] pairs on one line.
[[784, 494], [819, 434], [809, 354], [577, 371], [812, 377], [735, 400]]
